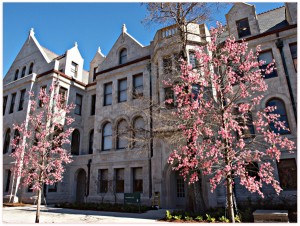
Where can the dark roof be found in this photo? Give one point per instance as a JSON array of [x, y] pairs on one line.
[[272, 19]]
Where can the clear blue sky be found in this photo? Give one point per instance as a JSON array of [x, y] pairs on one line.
[[58, 25]]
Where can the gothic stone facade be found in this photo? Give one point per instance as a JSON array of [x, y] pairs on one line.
[[104, 94]]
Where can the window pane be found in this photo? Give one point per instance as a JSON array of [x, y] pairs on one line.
[[107, 94], [287, 171], [91, 142], [120, 180], [103, 180], [6, 142], [107, 137], [167, 64], [138, 179], [16, 75], [78, 102], [267, 57], [123, 56], [280, 109], [4, 104], [75, 143], [122, 139], [243, 28], [138, 85], [93, 105], [12, 103], [122, 90]]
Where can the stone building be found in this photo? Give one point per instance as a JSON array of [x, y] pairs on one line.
[[105, 165]]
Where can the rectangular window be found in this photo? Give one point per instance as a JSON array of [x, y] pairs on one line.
[[108, 94], [167, 65], [103, 180], [8, 175], [293, 48], [94, 73], [180, 187], [40, 101], [287, 170], [63, 93], [122, 90], [119, 180], [12, 103], [4, 104], [78, 103], [243, 28], [177, 62], [193, 60], [21, 102], [74, 68], [138, 86], [267, 57], [93, 104], [169, 94], [137, 179], [52, 188]]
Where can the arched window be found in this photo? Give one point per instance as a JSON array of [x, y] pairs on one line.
[[123, 56], [6, 141], [280, 110], [139, 131], [91, 141], [23, 72], [75, 142], [16, 75], [16, 136], [107, 137], [30, 68], [122, 137]]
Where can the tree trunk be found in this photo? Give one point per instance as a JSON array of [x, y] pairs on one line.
[[38, 207], [229, 198]]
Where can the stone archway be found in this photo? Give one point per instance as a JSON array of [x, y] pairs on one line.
[[81, 185]]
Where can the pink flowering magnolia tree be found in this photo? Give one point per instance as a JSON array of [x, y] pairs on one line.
[[39, 149], [218, 111]]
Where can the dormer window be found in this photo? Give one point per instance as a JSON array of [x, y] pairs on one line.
[[74, 68], [30, 69], [243, 28], [123, 56]]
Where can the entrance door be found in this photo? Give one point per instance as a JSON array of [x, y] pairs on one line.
[[180, 191], [81, 186]]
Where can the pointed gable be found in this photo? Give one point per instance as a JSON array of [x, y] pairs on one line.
[[134, 50], [31, 53]]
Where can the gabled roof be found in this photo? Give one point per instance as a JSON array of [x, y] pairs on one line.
[[272, 19], [49, 53]]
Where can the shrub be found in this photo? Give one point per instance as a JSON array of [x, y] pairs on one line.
[[224, 219], [168, 215], [210, 219], [199, 218]]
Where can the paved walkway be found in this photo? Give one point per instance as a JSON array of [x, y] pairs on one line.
[[26, 215]]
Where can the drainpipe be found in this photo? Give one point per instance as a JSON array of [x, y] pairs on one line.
[[279, 45], [151, 131], [89, 175]]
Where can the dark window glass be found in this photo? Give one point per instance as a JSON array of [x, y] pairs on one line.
[[16, 136], [75, 142], [119, 180], [94, 73], [4, 104], [180, 187], [30, 69], [123, 56], [122, 135], [243, 28], [280, 110], [91, 142], [252, 170], [138, 85], [16, 74], [167, 65], [63, 94], [6, 141], [122, 90], [267, 57], [293, 48], [138, 180], [52, 188], [12, 103], [74, 68], [287, 170], [40, 101], [107, 137], [78, 102], [169, 94], [8, 175], [195, 91], [23, 72], [139, 132], [103, 179], [93, 104], [22, 97], [108, 94]]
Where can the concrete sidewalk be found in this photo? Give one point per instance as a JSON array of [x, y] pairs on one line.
[[26, 215]]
